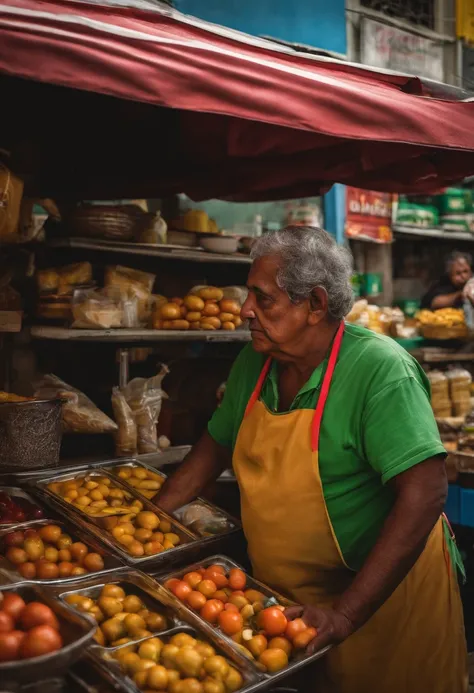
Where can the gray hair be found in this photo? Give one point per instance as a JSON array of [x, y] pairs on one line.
[[311, 259], [455, 256]]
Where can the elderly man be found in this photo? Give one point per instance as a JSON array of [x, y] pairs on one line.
[[331, 436]]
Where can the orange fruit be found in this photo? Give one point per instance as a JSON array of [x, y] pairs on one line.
[[237, 579], [181, 590], [193, 579], [217, 578], [230, 622], [257, 645], [274, 660], [231, 607], [272, 621], [211, 610], [254, 596], [196, 600], [207, 588], [169, 584], [303, 639], [295, 627], [221, 596], [217, 569], [280, 643]]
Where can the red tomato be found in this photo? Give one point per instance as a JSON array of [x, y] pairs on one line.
[[231, 607], [182, 590], [230, 622], [39, 641], [217, 578], [207, 588], [193, 579], [211, 610], [10, 645], [237, 579], [272, 621], [196, 600], [218, 568], [295, 627], [38, 614], [7, 624], [12, 604], [15, 539]]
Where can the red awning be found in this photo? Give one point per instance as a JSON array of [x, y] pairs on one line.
[[210, 112]]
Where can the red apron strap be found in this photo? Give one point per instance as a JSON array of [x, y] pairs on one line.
[[258, 387], [318, 413]]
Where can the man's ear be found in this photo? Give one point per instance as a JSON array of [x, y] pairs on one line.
[[318, 305]]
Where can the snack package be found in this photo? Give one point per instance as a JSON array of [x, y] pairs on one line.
[[63, 279], [96, 310], [79, 413], [144, 399], [132, 284], [126, 436]]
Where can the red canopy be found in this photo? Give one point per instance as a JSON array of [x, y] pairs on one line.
[[186, 106]]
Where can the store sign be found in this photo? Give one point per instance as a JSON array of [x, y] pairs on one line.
[[394, 49], [369, 215]]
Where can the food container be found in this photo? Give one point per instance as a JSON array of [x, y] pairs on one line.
[[188, 547], [77, 633], [111, 562], [296, 663], [105, 659], [30, 433], [220, 244], [133, 582], [20, 496]]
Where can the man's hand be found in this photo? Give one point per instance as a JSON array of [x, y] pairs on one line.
[[331, 625]]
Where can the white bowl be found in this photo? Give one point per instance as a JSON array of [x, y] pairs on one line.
[[220, 244]]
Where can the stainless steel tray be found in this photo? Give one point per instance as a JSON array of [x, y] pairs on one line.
[[189, 546], [133, 582], [111, 562], [16, 492], [76, 630], [107, 662], [252, 583], [112, 465]]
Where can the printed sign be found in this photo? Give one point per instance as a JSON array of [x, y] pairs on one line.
[[369, 215]]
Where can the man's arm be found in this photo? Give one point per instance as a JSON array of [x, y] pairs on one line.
[[204, 463], [420, 496], [446, 300]]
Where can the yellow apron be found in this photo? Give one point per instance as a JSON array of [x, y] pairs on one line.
[[415, 642]]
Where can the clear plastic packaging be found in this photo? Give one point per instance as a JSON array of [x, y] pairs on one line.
[[96, 310], [132, 284], [79, 413], [126, 436]]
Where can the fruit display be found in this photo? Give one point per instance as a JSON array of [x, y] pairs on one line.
[[178, 663], [145, 481], [143, 534], [123, 613], [95, 495], [255, 622], [16, 507], [47, 552], [207, 309], [27, 629]]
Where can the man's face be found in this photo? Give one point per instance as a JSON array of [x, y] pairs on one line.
[[460, 273], [276, 324]]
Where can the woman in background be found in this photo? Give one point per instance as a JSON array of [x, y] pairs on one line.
[[448, 292]]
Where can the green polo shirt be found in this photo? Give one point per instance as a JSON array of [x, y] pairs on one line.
[[377, 423]]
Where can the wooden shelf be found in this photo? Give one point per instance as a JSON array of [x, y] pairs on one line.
[[163, 251], [420, 233], [137, 336]]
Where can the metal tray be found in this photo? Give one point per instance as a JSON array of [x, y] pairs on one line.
[[189, 546], [133, 582], [111, 562], [107, 662], [16, 492], [77, 633], [252, 583], [134, 464]]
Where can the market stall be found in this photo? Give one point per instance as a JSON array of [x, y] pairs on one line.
[[175, 105]]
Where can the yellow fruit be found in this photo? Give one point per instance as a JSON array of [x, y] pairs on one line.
[[147, 520], [193, 303]]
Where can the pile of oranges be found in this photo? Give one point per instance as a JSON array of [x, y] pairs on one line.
[[256, 623], [205, 310]]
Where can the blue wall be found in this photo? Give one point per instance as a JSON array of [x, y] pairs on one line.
[[319, 23]]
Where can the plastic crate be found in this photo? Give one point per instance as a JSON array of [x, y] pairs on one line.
[[453, 504], [467, 507]]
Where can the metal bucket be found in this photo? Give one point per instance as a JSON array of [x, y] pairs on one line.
[[30, 434]]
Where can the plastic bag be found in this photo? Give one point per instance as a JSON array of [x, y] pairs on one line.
[[132, 284], [144, 399], [156, 234], [126, 436], [79, 413], [96, 310], [203, 520]]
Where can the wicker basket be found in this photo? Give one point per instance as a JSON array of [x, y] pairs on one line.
[[439, 332], [116, 223]]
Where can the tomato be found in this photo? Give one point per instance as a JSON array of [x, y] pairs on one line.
[[254, 596], [38, 614], [207, 588], [14, 539], [27, 570], [93, 562], [295, 627], [41, 640], [279, 643], [47, 571], [193, 579], [16, 555], [230, 622], [78, 551], [217, 568], [222, 596], [272, 621], [169, 584], [303, 639], [211, 610], [231, 607], [10, 645], [65, 569], [6, 622], [257, 645], [274, 660], [50, 533], [217, 578], [12, 604], [196, 600], [237, 579], [181, 590]]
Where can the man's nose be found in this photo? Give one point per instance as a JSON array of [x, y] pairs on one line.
[[247, 312]]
